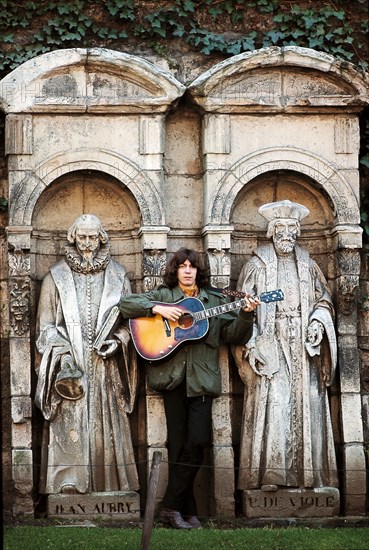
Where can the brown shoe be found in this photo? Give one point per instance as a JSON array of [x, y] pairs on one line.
[[194, 522], [174, 518]]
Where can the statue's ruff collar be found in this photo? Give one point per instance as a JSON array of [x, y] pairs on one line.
[[78, 264]]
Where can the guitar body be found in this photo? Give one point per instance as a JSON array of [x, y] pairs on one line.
[[155, 338]]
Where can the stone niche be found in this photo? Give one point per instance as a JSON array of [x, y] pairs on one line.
[[84, 134], [87, 132], [282, 123]]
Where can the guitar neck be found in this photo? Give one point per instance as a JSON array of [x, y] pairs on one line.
[[218, 310], [272, 296]]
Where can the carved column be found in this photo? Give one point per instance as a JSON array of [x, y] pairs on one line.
[[354, 480], [20, 376], [154, 244], [217, 244]]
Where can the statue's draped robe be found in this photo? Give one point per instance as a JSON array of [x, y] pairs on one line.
[[87, 442], [287, 437]]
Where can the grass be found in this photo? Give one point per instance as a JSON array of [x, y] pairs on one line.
[[71, 537]]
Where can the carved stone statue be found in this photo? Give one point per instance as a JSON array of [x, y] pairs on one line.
[[85, 395], [287, 365]]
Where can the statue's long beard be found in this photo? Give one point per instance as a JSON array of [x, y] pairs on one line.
[[284, 246]]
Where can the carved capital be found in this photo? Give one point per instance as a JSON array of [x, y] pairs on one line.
[[220, 267], [153, 265], [19, 263], [348, 262]]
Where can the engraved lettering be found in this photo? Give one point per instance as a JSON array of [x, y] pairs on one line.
[[269, 502]]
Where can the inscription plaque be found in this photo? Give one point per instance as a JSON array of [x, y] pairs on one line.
[[115, 504], [320, 502]]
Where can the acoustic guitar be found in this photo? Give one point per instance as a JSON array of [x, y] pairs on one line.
[[155, 338]]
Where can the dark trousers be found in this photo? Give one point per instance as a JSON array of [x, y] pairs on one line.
[[189, 433]]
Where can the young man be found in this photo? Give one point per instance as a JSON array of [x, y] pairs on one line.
[[190, 378]]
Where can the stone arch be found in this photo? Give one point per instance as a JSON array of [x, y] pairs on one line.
[[88, 79], [124, 170], [344, 200], [278, 78]]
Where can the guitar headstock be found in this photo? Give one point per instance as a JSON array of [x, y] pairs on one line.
[[272, 296]]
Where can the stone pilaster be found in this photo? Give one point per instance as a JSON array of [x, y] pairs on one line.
[[20, 360], [353, 456]]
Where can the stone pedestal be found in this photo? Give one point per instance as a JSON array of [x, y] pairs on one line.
[[301, 503], [110, 505]]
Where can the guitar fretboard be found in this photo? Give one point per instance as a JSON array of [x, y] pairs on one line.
[[271, 296], [218, 310]]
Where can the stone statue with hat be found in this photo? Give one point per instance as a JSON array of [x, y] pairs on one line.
[[288, 364], [85, 394]]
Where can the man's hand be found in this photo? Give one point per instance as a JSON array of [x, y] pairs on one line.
[[171, 313], [251, 303]]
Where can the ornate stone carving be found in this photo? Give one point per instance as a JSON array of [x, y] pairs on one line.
[[19, 263], [19, 292], [348, 280], [154, 262], [220, 267]]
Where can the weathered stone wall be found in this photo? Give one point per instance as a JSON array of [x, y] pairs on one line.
[[164, 167]]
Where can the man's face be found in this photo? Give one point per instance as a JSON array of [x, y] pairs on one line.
[[285, 235], [87, 239], [187, 274]]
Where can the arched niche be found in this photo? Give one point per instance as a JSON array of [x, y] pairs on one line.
[[250, 227], [85, 192]]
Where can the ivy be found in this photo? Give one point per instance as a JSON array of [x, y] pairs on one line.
[[80, 23]]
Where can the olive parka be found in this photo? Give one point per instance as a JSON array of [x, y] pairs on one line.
[[198, 361]]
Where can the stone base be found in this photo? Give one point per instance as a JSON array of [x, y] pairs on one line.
[[112, 505], [284, 503]]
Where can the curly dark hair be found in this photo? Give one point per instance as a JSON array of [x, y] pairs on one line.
[[178, 258]]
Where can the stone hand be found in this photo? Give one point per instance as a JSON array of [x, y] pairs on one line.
[[315, 333], [255, 359], [107, 349]]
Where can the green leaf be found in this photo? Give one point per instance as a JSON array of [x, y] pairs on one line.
[[365, 160], [188, 5]]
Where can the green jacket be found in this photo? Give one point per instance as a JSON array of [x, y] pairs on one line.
[[197, 361]]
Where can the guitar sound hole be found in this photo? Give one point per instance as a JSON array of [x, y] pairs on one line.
[[186, 320]]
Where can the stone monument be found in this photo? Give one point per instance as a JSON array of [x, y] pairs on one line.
[[287, 456], [85, 393]]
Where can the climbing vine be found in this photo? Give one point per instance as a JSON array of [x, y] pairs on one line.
[[31, 28]]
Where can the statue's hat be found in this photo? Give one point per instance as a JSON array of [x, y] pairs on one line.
[[283, 210]]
